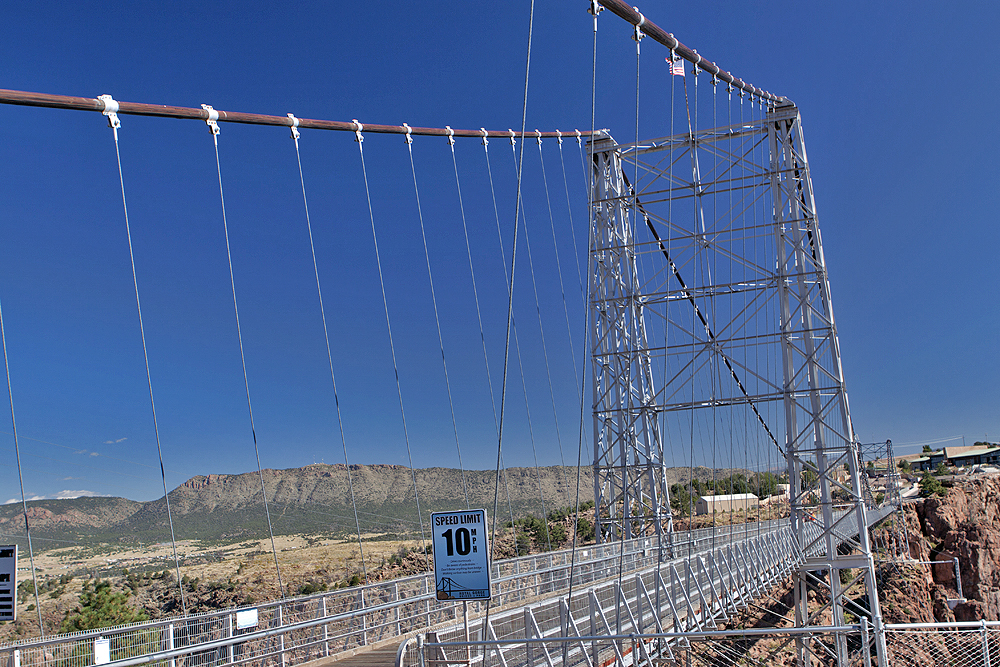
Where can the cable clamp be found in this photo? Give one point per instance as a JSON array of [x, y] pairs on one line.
[[486, 141], [595, 8], [111, 111], [409, 135], [637, 33], [538, 137], [559, 137], [295, 127], [212, 120], [513, 141], [451, 135], [579, 137], [358, 127]]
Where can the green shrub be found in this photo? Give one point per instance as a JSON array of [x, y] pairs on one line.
[[101, 607]]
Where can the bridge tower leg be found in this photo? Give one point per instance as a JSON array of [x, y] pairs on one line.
[[820, 446], [630, 488]]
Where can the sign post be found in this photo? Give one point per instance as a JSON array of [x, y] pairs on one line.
[[461, 555], [8, 582]]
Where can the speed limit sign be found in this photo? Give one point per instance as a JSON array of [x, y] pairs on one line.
[[461, 555]]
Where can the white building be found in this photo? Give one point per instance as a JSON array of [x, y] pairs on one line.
[[725, 503]]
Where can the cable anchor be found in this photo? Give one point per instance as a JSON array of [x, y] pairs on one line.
[[559, 137], [513, 141], [409, 135], [579, 137], [451, 135], [538, 137], [358, 127], [486, 141], [212, 120], [295, 127]]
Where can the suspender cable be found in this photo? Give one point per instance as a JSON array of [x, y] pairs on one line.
[[496, 215], [510, 296], [437, 318], [388, 325], [475, 294], [562, 287], [595, 9], [214, 127], [572, 227], [20, 477], [520, 363], [329, 352], [545, 357], [115, 123]]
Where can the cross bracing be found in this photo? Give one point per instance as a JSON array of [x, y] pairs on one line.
[[716, 327]]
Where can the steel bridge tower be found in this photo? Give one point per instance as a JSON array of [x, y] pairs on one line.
[[712, 330]]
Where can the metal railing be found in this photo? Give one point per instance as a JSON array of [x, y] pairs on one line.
[[305, 628], [957, 644], [301, 629], [686, 594]]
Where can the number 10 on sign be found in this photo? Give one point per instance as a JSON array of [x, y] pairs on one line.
[[461, 555]]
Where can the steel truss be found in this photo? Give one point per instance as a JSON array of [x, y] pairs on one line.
[[714, 336]]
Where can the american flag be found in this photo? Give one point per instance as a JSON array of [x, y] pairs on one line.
[[676, 66]]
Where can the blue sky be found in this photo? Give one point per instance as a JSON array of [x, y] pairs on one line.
[[897, 108]]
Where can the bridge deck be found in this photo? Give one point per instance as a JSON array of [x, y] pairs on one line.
[[693, 578]]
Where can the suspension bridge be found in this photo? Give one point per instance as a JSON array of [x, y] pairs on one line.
[[708, 338]]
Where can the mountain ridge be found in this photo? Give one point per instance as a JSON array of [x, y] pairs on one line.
[[313, 499]]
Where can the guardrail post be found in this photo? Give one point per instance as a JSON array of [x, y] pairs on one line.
[[420, 650], [866, 649], [427, 603], [326, 628], [364, 617], [170, 643], [986, 643], [229, 635], [281, 636], [395, 597]]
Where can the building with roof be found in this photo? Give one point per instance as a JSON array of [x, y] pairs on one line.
[[977, 454], [725, 503]]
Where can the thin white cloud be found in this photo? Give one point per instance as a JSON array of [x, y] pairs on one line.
[[65, 494], [94, 454]]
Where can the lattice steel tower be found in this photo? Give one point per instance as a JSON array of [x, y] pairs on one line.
[[714, 337]]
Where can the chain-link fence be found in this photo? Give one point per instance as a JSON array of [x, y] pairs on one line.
[[938, 644]]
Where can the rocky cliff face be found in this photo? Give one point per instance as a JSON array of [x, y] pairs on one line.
[[965, 523]]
